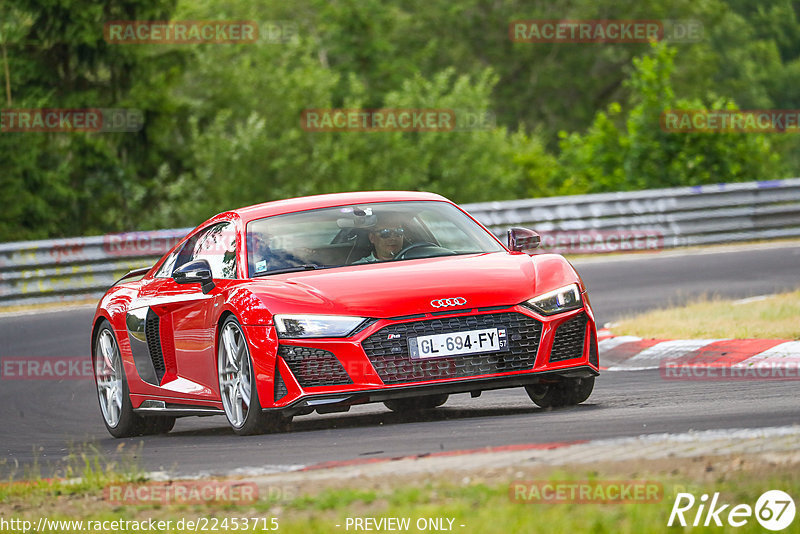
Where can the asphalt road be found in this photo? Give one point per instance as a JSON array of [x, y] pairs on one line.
[[44, 423]]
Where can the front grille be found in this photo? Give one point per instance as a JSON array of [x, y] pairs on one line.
[[568, 341], [314, 367], [152, 334], [392, 362]]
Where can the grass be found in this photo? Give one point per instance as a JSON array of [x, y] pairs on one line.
[[774, 317], [480, 501], [481, 508], [85, 469]]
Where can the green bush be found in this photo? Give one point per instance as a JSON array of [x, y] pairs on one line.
[[623, 152]]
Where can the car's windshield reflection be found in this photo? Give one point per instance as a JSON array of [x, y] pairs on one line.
[[362, 234]]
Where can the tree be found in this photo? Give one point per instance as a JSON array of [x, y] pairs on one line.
[[249, 144], [620, 152], [74, 183]]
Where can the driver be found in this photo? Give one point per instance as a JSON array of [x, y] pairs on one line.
[[387, 238]]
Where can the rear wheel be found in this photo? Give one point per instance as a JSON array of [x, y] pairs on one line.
[[113, 394], [416, 403], [567, 392], [237, 385]]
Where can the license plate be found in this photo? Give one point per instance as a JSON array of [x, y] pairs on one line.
[[458, 343]]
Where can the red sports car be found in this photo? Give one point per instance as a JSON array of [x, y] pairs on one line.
[[319, 303]]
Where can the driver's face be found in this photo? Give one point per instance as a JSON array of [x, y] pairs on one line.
[[387, 240]]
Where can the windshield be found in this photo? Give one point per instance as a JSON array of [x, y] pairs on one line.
[[362, 234]]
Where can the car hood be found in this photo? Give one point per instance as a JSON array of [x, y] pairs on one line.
[[407, 287]]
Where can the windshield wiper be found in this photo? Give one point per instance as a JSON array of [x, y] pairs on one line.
[[295, 269]]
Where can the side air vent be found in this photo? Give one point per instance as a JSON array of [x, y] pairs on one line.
[[280, 386], [153, 335], [593, 359]]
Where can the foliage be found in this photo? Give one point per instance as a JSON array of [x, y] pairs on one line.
[[222, 122], [631, 152], [254, 147]]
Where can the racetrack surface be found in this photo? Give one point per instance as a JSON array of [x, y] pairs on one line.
[[43, 420]]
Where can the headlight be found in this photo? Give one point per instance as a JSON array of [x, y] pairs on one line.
[[562, 299], [293, 326]]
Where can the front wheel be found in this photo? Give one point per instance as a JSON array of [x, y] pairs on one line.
[[237, 385], [112, 392], [567, 392], [414, 404]]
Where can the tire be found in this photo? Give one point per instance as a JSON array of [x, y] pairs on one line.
[[415, 404], [159, 424], [113, 393], [568, 392], [237, 385]]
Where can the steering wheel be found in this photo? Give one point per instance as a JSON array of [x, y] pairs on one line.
[[400, 255]]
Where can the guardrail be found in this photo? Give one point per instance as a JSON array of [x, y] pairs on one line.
[[55, 270], [682, 216], [81, 268]]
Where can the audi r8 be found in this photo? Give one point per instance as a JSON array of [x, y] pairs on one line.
[[320, 303]]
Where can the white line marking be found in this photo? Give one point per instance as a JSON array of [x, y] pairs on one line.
[[786, 354], [650, 357], [612, 342], [752, 299], [161, 476], [704, 435]]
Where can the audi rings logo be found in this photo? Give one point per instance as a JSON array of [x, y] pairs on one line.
[[444, 303]]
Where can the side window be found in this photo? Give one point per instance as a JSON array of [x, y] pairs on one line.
[[165, 271], [217, 245]]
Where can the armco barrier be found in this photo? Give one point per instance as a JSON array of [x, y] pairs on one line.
[[56, 270], [682, 216], [80, 268]]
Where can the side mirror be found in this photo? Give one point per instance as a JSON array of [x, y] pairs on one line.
[[193, 272], [520, 239]]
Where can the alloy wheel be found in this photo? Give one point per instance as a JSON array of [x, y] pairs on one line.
[[235, 374], [108, 371]]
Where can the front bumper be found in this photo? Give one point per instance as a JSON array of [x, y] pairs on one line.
[[330, 375], [335, 402]]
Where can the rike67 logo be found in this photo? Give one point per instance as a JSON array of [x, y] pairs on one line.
[[774, 510]]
